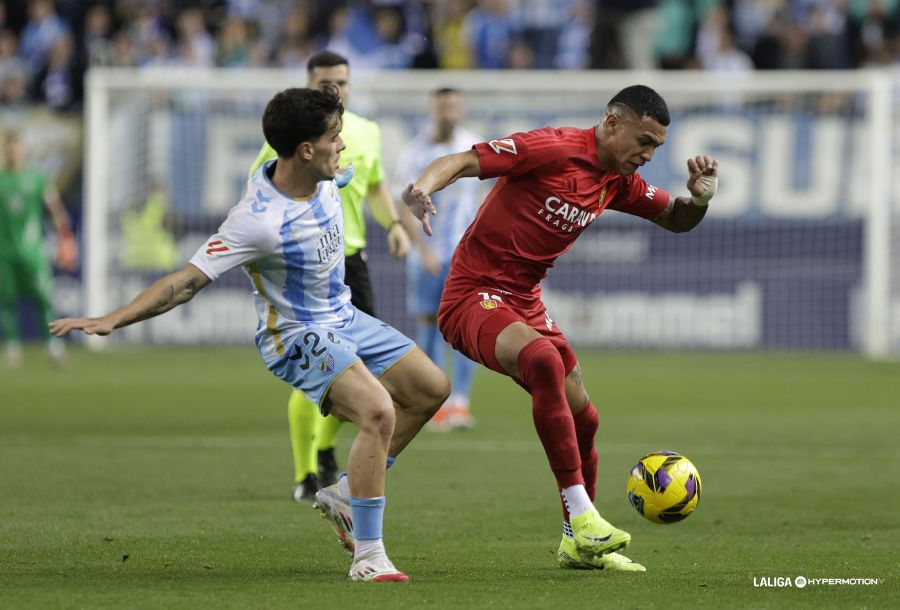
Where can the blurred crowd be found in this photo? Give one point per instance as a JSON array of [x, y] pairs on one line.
[[46, 45]]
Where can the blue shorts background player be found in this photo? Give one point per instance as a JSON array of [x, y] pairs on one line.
[[429, 262], [287, 235]]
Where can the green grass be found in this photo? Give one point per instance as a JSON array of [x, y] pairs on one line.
[[160, 479]]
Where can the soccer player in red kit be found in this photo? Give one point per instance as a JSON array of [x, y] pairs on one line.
[[553, 183]]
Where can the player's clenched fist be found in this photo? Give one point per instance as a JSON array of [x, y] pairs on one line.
[[703, 178]]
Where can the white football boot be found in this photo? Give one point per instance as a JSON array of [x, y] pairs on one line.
[[335, 509], [375, 568]]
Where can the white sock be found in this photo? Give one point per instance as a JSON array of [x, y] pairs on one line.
[[458, 400], [577, 500], [365, 548]]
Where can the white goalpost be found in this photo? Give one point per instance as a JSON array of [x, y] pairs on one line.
[[798, 251]]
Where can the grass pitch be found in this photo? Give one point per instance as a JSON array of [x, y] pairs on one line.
[[161, 477]]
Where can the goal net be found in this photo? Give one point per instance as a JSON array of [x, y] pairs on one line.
[[798, 251]]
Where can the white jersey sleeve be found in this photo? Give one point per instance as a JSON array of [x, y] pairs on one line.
[[242, 238]]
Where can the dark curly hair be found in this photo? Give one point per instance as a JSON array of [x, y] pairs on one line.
[[299, 115]]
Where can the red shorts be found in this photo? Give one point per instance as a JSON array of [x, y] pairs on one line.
[[471, 318]]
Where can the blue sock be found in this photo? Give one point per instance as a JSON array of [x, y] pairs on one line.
[[368, 515], [428, 338], [463, 374]]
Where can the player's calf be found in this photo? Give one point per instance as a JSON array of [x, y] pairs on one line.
[[419, 388]]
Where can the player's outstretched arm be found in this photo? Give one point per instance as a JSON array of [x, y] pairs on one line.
[[161, 296], [440, 173], [683, 213]]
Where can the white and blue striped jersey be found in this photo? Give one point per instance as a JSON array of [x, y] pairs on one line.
[[457, 204], [292, 251]]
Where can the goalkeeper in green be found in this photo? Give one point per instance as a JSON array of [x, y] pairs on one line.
[[362, 179], [25, 270]]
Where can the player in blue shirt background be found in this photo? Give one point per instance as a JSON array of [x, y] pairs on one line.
[[429, 262]]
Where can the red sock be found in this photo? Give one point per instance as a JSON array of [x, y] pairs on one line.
[[542, 372], [586, 424]]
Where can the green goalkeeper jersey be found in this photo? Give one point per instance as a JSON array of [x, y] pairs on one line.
[[22, 214], [362, 139]]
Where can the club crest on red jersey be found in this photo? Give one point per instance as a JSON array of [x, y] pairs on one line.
[[489, 301], [602, 198]]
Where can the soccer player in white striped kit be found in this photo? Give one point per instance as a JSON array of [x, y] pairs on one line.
[[287, 234]]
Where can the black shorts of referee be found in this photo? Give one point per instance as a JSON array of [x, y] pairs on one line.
[[356, 276]]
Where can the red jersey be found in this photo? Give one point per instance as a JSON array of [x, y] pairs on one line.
[[551, 188]]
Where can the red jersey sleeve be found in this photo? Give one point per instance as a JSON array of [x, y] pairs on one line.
[[522, 152], [640, 198]]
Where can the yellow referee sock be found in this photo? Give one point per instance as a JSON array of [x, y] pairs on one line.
[[328, 432], [304, 421]]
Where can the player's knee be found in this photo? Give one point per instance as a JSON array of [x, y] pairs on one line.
[[378, 417], [540, 360], [433, 393], [439, 392]]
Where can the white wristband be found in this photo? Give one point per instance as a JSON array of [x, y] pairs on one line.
[[710, 182]]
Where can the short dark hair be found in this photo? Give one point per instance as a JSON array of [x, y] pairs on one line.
[[326, 59], [299, 115], [643, 101], [445, 91]]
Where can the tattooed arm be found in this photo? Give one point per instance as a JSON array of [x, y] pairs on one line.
[[681, 215], [161, 296]]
